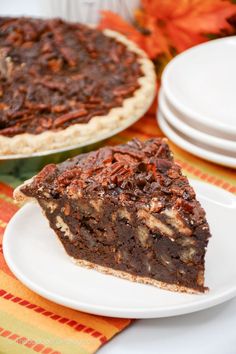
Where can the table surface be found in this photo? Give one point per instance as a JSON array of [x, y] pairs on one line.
[[207, 332]]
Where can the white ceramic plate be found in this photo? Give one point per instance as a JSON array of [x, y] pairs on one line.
[[200, 83], [194, 147], [39, 261], [227, 146]]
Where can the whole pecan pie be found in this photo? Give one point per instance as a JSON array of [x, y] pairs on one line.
[[64, 83]]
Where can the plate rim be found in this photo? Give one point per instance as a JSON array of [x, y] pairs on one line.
[[193, 149], [110, 311], [190, 131], [187, 111]]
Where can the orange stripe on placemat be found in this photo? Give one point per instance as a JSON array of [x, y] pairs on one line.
[[7, 210], [206, 177], [79, 327], [5, 189], [29, 343], [144, 134], [2, 229], [3, 224], [117, 322], [3, 265]]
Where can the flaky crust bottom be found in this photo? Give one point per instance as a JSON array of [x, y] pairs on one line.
[[132, 109], [134, 278], [20, 197]]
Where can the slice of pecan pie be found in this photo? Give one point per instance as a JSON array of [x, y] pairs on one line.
[[62, 84], [126, 210]]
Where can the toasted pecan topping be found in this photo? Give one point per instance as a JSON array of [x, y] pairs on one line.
[[54, 74], [140, 172]]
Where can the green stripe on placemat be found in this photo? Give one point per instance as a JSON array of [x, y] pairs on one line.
[[11, 180]]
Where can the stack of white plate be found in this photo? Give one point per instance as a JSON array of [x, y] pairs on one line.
[[197, 101]]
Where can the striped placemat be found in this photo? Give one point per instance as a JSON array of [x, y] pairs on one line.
[[30, 323]]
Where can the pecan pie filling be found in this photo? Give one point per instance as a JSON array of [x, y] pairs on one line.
[[54, 74]]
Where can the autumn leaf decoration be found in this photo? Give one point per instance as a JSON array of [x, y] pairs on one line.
[[166, 27]]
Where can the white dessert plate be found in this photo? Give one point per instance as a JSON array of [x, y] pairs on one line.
[[194, 147], [37, 259], [200, 83], [227, 146]]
